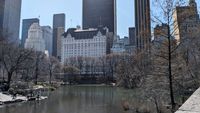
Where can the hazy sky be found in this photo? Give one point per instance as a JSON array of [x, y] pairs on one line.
[[44, 9]]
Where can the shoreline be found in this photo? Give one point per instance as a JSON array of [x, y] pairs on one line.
[[6, 98], [98, 85]]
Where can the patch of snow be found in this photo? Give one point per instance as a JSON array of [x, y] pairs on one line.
[[21, 98], [4, 98], [43, 97], [38, 87]]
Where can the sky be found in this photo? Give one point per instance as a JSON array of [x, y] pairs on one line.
[[44, 10]]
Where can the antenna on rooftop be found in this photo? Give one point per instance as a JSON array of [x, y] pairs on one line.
[[100, 22], [71, 22]]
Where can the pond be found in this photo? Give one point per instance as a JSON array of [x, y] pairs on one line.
[[76, 99]]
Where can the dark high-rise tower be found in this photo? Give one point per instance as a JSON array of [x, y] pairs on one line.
[[10, 11], [2, 5], [99, 13], [132, 40], [59, 20], [142, 23], [25, 27], [58, 30]]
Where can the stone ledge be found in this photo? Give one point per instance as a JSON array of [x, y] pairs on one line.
[[192, 105], [186, 112]]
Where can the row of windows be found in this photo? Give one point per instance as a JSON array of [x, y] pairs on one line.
[[85, 46], [84, 55], [81, 46], [85, 40], [91, 51]]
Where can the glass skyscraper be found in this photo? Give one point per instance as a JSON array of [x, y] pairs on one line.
[[58, 30], [99, 13], [10, 12]]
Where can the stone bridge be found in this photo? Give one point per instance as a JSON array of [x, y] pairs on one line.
[[192, 105]]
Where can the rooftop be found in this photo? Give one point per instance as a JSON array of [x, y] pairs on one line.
[[84, 33]]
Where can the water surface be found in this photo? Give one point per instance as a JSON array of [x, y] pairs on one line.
[[76, 99]]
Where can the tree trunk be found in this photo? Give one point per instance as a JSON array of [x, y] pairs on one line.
[[8, 80], [50, 76], [170, 73], [157, 105], [36, 75]]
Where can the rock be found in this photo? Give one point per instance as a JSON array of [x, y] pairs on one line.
[[126, 106]]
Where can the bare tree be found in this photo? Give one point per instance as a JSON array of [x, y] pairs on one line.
[[53, 66], [130, 70], [103, 66], [69, 72], [13, 59], [167, 59], [80, 62], [112, 62], [39, 56]]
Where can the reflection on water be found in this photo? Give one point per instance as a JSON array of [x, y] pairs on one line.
[[76, 99]]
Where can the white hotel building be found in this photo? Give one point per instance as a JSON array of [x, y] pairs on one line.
[[84, 43]]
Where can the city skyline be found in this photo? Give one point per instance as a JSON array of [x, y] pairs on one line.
[[72, 60], [125, 10]]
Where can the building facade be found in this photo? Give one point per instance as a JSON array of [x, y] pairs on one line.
[[118, 48], [160, 36], [2, 7], [84, 43], [142, 23], [100, 13], [132, 38], [59, 20], [58, 30], [10, 13], [35, 39], [47, 34], [121, 46], [26, 23], [160, 33], [186, 22]]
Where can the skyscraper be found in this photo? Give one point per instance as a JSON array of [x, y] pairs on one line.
[[35, 39], [142, 23], [98, 13], [58, 30], [25, 27], [47, 34], [2, 5], [132, 40], [10, 11], [59, 20], [186, 22]]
